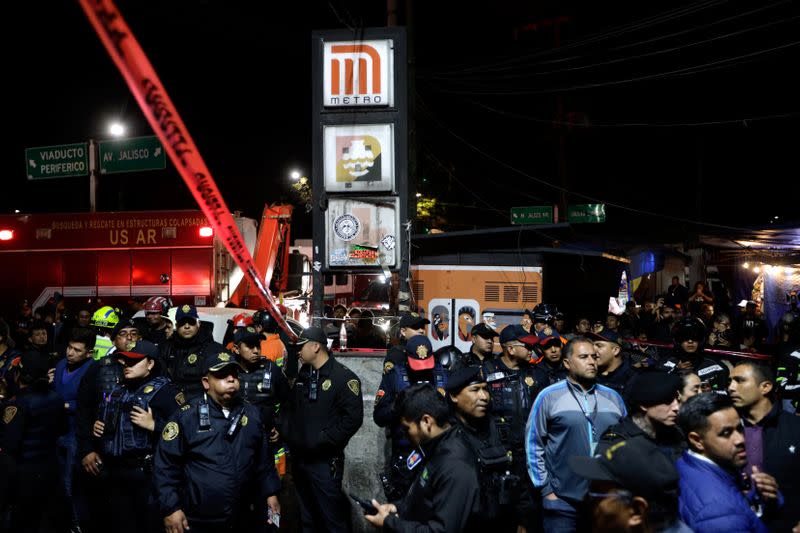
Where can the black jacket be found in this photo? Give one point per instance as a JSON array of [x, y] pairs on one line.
[[183, 360], [321, 428], [32, 423], [619, 378], [445, 496], [781, 442], [670, 440], [206, 473]]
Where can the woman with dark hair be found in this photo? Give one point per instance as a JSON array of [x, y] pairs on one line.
[[698, 297]]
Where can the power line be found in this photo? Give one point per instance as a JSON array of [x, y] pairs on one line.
[[742, 121], [540, 181], [703, 67], [634, 57], [613, 32]]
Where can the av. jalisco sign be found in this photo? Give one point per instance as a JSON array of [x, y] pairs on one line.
[[132, 155]]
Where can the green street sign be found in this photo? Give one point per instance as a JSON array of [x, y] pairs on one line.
[[536, 214], [586, 213], [132, 155], [60, 161]]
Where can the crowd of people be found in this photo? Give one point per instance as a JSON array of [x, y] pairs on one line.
[[642, 422]]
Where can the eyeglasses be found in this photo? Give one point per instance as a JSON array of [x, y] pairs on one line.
[[190, 321], [128, 333]]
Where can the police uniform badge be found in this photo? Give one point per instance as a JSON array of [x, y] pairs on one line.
[[224, 357], [192, 358], [387, 367], [414, 458], [326, 384], [148, 389], [180, 399], [186, 308], [170, 431], [244, 420], [529, 381], [9, 414], [354, 386]]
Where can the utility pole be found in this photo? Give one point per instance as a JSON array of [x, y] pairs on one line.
[[92, 176]]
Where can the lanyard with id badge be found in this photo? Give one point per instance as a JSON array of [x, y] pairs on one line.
[[590, 417]]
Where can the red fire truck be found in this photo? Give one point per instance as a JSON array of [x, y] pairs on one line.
[[115, 256]]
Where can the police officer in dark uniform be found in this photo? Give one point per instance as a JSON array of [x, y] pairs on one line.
[[324, 411], [420, 366], [614, 369], [133, 417], [482, 342], [410, 325], [469, 395], [184, 352], [513, 388], [689, 335], [787, 375], [32, 422], [549, 369], [262, 383], [213, 469], [445, 495], [653, 401]]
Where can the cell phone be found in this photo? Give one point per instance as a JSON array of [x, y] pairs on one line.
[[366, 505]]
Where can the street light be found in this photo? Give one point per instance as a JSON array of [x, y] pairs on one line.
[[295, 175], [116, 129]]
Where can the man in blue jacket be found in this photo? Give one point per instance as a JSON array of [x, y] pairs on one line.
[[711, 489]]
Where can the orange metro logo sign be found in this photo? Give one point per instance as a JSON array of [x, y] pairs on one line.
[[358, 73]]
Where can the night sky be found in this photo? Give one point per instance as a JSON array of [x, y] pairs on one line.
[[683, 109]]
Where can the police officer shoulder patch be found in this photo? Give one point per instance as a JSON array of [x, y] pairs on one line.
[[354, 386], [9, 414], [170, 431], [148, 389], [180, 399], [387, 367]]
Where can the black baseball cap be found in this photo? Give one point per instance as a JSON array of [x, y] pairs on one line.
[[34, 365], [138, 350], [605, 335], [186, 312], [413, 320], [636, 465], [246, 334], [313, 334], [652, 387], [461, 377], [219, 362], [484, 331]]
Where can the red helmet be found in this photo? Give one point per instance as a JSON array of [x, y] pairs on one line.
[[242, 320], [157, 304]]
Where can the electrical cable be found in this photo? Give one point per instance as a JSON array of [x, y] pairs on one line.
[[540, 181]]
